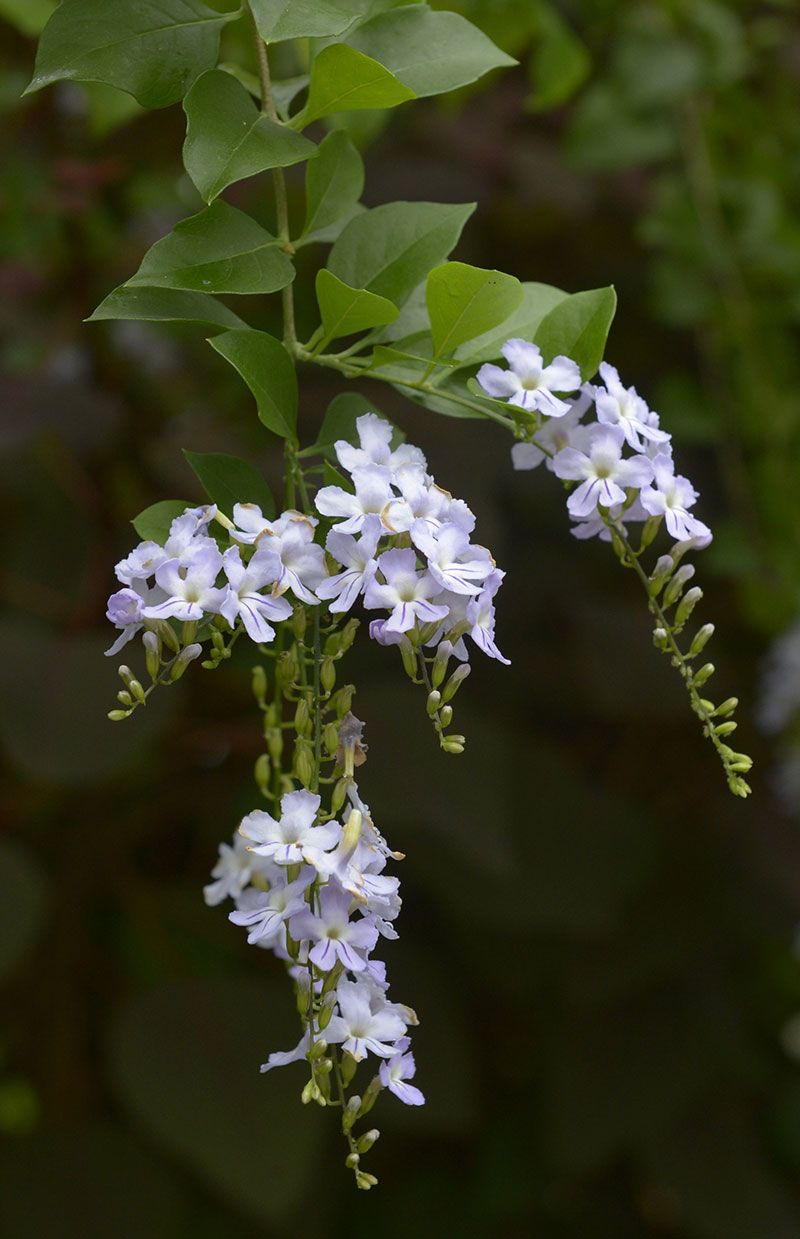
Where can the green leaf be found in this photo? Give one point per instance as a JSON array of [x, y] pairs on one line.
[[560, 63], [278, 20], [537, 301], [578, 327], [346, 310], [27, 16], [153, 524], [390, 249], [228, 480], [334, 183], [430, 52], [267, 369], [397, 365], [23, 906], [220, 250], [464, 302], [164, 305], [153, 49], [228, 138], [344, 80]]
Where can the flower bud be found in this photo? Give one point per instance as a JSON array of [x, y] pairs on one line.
[[454, 683], [663, 570], [705, 673], [349, 1066], [261, 772], [189, 632], [324, 1017], [342, 700], [452, 745], [409, 658], [274, 739], [687, 604], [353, 1107], [299, 622], [327, 675], [302, 718], [365, 1181], [168, 635], [348, 635], [185, 657], [311, 1092], [649, 530], [137, 691], [339, 795], [701, 640], [439, 668], [152, 654], [370, 1096], [351, 1161], [446, 716], [117, 716], [304, 762], [725, 729], [675, 588], [330, 738], [433, 703], [259, 685], [365, 1142], [318, 1050], [124, 697]]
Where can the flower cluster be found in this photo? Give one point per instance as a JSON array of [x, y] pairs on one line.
[[314, 892], [432, 582], [621, 462]]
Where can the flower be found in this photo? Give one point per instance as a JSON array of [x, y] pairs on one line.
[[481, 618], [358, 1028], [375, 439], [233, 871], [530, 384], [250, 524], [424, 500], [336, 936], [282, 1058], [189, 589], [373, 491], [358, 560], [599, 466], [299, 562], [394, 1073], [267, 911], [125, 609], [294, 838], [624, 407], [553, 435], [446, 550], [243, 599], [671, 496], [405, 592]]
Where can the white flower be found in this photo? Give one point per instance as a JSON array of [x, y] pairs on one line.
[[446, 550], [358, 560], [282, 1058], [553, 435], [337, 938], [530, 384], [394, 1074], [267, 911], [375, 439], [405, 592], [359, 1029], [599, 467], [233, 871], [294, 838], [189, 589], [623, 406], [373, 491], [243, 599], [671, 496]]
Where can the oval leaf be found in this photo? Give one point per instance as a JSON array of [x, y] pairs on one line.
[[153, 49], [464, 302], [228, 138], [578, 327], [227, 480], [267, 369], [164, 305], [346, 310], [344, 80], [334, 183], [537, 301], [278, 20], [153, 524], [219, 250]]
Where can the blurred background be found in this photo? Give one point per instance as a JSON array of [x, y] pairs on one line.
[[597, 937]]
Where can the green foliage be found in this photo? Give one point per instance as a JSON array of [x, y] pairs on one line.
[[154, 49], [267, 369], [344, 80], [340, 418], [390, 249], [164, 305], [465, 302], [334, 184], [152, 525], [578, 327], [228, 139], [537, 301], [228, 480], [279, 20], [28, 16], [219, 250], [347, 310], [560, 62], [431, 52]]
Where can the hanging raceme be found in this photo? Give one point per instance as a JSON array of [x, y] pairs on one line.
[[372, 537]]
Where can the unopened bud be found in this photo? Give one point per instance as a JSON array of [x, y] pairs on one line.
[[274, 739], [117, 716], [327, 675], [302, 718], [311, 1092], [348, 635], [186, 656], [353, 1107], [365, 1142], [365, 1181], [299, 622], [259, 685], [124, 697], [168, 635], [262, 771], [351, 1161], [152, 654], [339, 795], [727, 707], [454, 683], [349, 1067], [446, 716], [137, 691], [370, 1096], [725, 729], [409, 658], [342, 700], [701, 640], [330, 738], [452, 745], [304, 762], [676, 586], [439, 668], [704, 674], [318, 1050], [663, 570], [433, 703], [687, 604]]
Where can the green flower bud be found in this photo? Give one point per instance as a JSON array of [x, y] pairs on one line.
[[304, 762], [117, 716], [137, 691], [370, 1096], [454, 683], [439, 668], [274, 739], [663, 570], [186, 656], [365, 1181], [168, 635], [409, 658], [318, 1050], [262, 771], [152, 654], [351, 1161], [330, 738], [725, 729], [446, 716], [433, 702], [327, 675], [348, 635], [339, 795], [189, 632], [687, 604], [676, 585], [701, 640], [342, 700], [299, 622], [705, 673], [349, 1068], [124, 697], [365, 1142], [302, 718], [727, 707], [311, 1092], [451, 745], [351, 1110], [259, 685]]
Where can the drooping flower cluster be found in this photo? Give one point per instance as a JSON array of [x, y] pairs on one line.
[[314, 892], [430, 578], [621, 462]]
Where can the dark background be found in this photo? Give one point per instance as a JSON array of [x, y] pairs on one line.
[[597, 937]]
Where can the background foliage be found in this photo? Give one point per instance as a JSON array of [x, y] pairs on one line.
[[606, 1040]]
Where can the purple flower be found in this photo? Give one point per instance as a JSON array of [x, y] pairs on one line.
[[251, 525], [294, 838], [337, 938], [267, 911], [358, 560], [375, 439], [190, 590], [624, 407], [282, 1058], [481, 618], [406, 592], [599, 467], [446, 550], [299, 562], [233, 871], [554, 435], [359, 1028], [394, 1073], [373, 491], [243, 599], [671, 496], [530, 384]]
